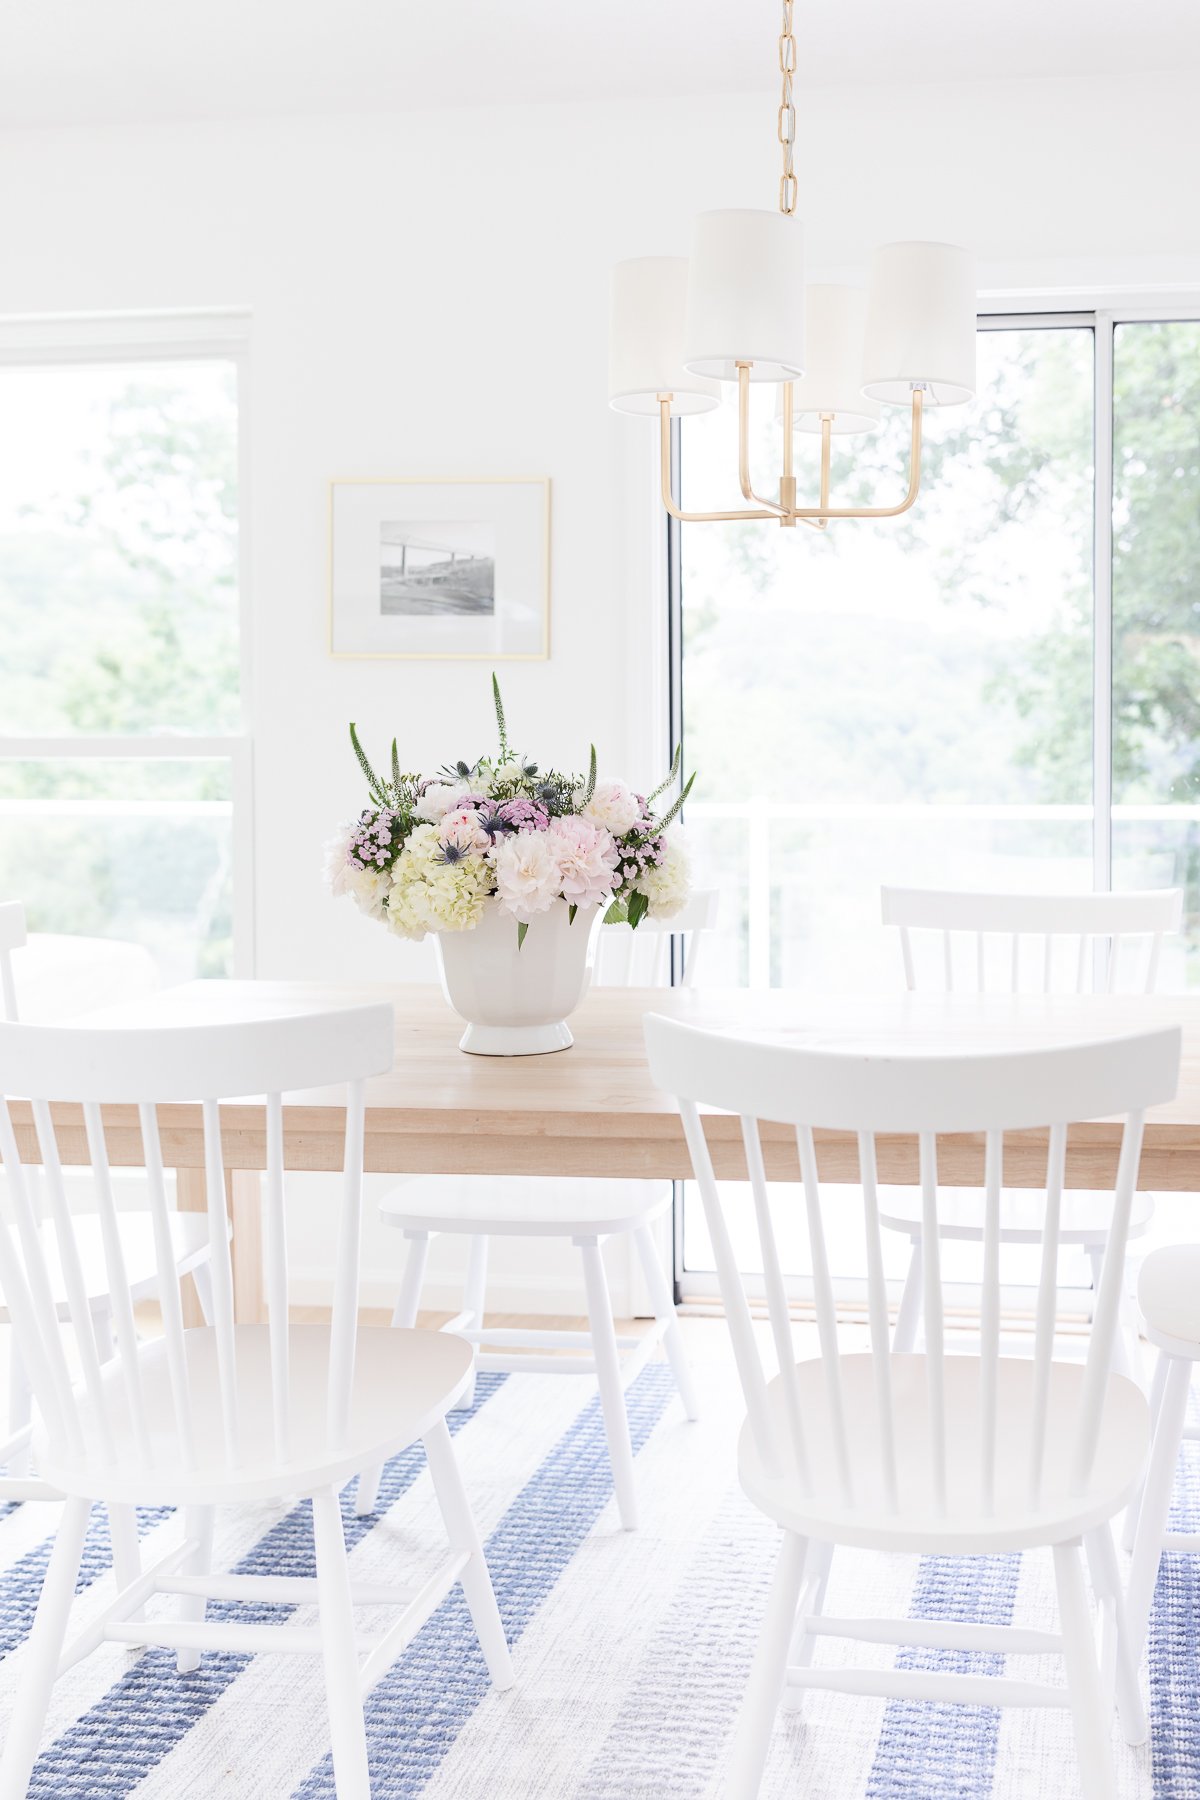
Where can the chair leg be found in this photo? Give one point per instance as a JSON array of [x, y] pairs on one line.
[[475, 1580], [202, 1282], [908, 1318], [197, 1525], [43, 1651], [608, 1376], [20, 1408], [664, 1312], [1157, 1389], [1117, 1661], [404, 1317], [1088, 1709], [126, 1550], [409, 1298], [1156, 1501], [812, 1603], [474, 1292], [343, 1689], [768, 1673]]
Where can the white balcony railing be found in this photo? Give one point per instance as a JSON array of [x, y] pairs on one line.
[[759, 816]]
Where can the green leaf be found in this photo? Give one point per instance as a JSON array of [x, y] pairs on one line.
[[590, 787], [521, 930], [395, 770], [675, 810], [616, 914], [664, 785], [571, 911], [378, 791], [638, 907], [501, 726]]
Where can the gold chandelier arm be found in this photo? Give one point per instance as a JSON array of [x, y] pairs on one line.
[[787, 485], [668, 499], [812, 513], [776, 511]]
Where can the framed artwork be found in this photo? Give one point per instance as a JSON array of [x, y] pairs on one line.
[[430, 569]]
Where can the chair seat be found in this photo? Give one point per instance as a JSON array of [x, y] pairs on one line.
[[1063, 1511], [523, 1206], [404, 1382], [1169, 1293], [189, 1240], [1086, 1215]]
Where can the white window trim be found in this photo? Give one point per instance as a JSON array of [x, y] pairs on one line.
[[175, 336]]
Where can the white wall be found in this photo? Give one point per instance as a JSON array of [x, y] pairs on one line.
[[429, 296]]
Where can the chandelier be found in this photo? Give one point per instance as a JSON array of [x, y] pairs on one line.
[[736, 311]]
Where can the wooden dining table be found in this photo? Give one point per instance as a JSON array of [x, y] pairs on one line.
[[593, 1109]]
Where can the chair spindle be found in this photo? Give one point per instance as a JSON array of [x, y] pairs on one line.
[[221, 1269], [881, 1349], [827, 1329], [934, 1317], [777, 1304]]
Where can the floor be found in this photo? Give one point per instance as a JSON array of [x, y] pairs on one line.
[[631, 1649]]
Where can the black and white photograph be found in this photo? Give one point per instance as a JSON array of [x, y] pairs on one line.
[[431, 569], [454, 569]]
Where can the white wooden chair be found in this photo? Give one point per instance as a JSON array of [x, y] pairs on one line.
[[1169, 1296], [948, 1455], [223, 1413], [989, 941], [189, 1235], [587, 1211]]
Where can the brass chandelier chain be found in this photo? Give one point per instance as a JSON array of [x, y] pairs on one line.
[[786, 511], [786, 128]]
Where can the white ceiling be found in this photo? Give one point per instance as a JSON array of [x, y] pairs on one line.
[[112, 61]]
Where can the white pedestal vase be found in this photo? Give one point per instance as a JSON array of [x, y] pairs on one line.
[[516, 1000]]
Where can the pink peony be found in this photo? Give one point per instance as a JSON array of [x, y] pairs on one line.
[[528, 880], [461, 827], [614, 808], [587, 859]]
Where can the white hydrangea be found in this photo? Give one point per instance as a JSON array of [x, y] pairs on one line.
[[430, 895], [613, 806], [527, 871], [509, 774], [667, 884], [440, 797]]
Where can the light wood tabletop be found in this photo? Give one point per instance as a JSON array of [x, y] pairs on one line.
[[592, 1110]]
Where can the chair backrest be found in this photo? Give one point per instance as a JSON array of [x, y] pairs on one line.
[[142, 1069], [918, 1096], [642, 958], [12, 936], [1060, 929]]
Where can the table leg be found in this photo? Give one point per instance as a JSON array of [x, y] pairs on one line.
[[243, 1206]]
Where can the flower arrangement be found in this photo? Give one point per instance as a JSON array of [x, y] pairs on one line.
[[431, 850]]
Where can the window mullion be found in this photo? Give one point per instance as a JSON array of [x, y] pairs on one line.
[[1102, 607]]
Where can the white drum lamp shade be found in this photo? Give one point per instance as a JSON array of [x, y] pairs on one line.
[[920, 325], [645, 353], [746, 296], [833, 381]]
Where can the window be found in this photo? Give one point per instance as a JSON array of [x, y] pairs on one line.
[[976, 695], [124, 765]]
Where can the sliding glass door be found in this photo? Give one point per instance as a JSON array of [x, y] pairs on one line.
[[998, 691], [1156, 613]]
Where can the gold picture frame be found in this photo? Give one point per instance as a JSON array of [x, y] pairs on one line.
[[497, 609]]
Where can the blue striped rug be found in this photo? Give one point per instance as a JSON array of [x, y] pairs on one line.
[[631, 1649]]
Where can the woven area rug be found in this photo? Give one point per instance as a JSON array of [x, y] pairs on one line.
[[631, 1648]]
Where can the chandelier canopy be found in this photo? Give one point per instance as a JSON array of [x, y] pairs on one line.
[[737, 311]]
